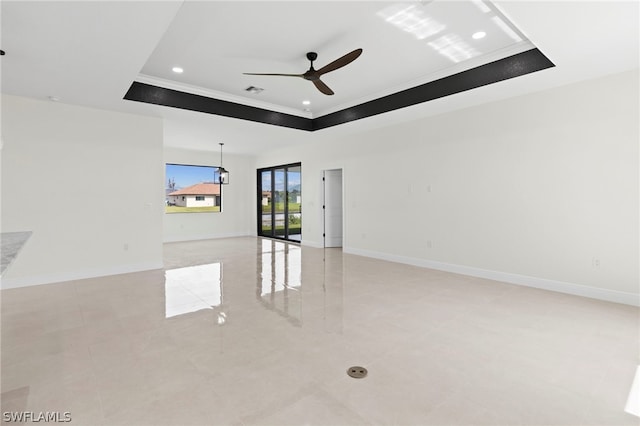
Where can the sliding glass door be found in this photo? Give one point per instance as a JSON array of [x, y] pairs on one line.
[[280, 202]]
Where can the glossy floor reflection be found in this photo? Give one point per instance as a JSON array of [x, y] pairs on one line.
[[250, 331]]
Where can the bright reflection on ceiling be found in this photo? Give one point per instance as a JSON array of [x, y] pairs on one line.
[[449, 34], [411, 19], [454, 48], [192, 289]]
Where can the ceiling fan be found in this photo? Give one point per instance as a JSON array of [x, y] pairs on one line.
[[314, 75]]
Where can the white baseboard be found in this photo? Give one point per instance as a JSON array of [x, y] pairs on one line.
[[7, 283], [313, 244], [180, 239], [542, 283]]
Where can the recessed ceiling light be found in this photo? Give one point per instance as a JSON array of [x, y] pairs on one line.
[[306, 102], [479, 35], [177, 70]]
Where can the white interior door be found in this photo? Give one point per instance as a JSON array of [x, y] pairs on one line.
[[332, 208]]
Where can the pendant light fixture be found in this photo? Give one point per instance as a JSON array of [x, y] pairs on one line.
[[223, 174]]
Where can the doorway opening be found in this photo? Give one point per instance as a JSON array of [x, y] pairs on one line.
[[280, 202], [332, 207]]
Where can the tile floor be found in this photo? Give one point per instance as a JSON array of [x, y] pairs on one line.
[[247, 331]]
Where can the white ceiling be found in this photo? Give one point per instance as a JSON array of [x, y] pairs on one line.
[[215, 42], [89, 53]]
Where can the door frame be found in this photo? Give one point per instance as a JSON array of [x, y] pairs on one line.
[[272, 169]]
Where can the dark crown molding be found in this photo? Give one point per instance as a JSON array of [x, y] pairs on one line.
[[503, 69]]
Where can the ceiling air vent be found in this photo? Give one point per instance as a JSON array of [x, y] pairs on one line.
[[254, 90]]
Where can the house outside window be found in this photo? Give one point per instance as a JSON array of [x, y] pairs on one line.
[[192, 189]]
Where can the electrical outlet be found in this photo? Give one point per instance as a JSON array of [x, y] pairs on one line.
[[595, 262]]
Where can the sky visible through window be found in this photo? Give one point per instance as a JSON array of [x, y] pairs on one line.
[[184, 175], [293, 180]]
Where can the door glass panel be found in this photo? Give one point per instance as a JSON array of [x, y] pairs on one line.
[[294, 203], [266, 222], [279, 200]]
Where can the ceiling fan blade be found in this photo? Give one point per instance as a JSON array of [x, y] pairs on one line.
[[340, 62], [322, 87], [281, 75]]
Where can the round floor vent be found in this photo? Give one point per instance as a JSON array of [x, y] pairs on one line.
[[357, 372]]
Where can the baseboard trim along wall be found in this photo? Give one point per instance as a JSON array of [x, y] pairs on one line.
[[7, 283], [313, 244], [207, 237], [507, 277], [541, 283]]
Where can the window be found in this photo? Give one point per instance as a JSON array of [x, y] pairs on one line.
[[192, 189]]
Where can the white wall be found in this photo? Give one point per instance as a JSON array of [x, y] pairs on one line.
[[539, 190], [87, 183], [238, 199]]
